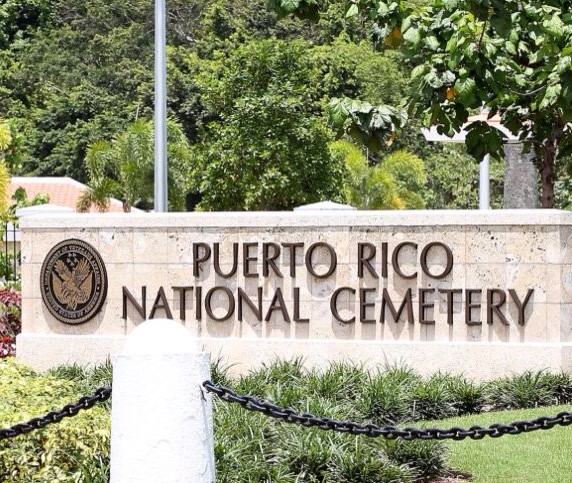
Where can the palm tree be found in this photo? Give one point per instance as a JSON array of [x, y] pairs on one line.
[[124, 168], [394, 183]]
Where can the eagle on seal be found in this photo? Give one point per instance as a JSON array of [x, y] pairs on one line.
[[72, 287]]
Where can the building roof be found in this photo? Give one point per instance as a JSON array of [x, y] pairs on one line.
[[63, 191], [432, 134]]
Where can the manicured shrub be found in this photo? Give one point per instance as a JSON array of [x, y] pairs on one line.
[[220, 372], [526, 390], [340, 381], [433, 400], [468, 396], [305, 452], [366, 460], [427, 458], [561, 386], [388, 396], [72, 451], [262, 382], [252, 447]]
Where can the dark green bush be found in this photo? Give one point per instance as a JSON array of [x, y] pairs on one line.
[[427, 458], [388, 396], [527, 390], [468, 397], [340, 381], [385, 401], [561, 386], [433, 399], [368, 462]]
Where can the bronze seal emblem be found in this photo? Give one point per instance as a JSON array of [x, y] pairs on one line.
[[73, 282]]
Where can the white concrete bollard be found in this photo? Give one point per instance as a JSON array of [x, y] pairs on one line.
[[161, 421]]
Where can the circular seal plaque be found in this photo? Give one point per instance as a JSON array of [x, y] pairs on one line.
[[73, 282]]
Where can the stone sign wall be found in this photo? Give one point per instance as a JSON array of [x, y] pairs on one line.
[[483, 293]]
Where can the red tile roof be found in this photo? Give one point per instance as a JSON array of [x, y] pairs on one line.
[[62, 191]]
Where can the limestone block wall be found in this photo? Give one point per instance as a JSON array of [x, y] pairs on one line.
[[479, 292]]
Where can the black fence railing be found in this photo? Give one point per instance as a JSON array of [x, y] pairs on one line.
[[10, 253]]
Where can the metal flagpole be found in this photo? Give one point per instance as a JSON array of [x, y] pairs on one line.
[[160, 107], [484, 183]]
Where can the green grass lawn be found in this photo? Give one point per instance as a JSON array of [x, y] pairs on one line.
[[536, 457]]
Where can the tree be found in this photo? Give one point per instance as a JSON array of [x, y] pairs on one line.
[[509, 57], [267, 147], [453, 179], [124, 168], [394, 183], [19, 18]]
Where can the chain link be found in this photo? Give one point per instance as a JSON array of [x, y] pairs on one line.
[[309, 420], [389, 432], [86, 402]]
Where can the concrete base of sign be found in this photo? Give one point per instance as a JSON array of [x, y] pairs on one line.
[[473, 360], [484, 293]]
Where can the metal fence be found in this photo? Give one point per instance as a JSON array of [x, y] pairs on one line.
[[10, 254]]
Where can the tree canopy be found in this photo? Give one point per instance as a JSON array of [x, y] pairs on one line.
[[508, 57], [77, 73], [267, 136]]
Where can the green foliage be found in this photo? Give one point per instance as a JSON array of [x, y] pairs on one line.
[[356, 70], [505, 58], [387, 399], [364, 187], [467, 397], [467, 55], [251, 446], [124, 168], [20, 18], [66, 96], [86, 380], [395, 182], [339, 382], [453, 180], [372, 125], [408, 171], [302, 8], [20, 199], [268, 147], [526, 390], [74, 450], [367, 463], [428, 457], [77, 72], [84, 77], [5, 137]]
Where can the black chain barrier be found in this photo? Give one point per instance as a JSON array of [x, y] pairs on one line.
[[86, 402], [308, 420], [389, 432]]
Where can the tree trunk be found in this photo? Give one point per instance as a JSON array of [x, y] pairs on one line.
[[547, 181], [546, 167]]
